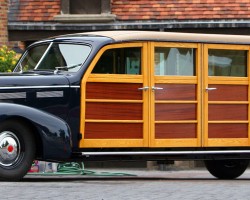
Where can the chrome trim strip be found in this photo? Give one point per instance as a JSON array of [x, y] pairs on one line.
[[49, 94], [75, 86], [34, 87], [14, 95], [162, 152]]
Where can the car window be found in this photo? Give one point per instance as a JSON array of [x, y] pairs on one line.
[[67, 57], [119, 61]]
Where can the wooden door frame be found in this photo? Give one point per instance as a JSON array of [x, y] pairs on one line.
[[183, 142], [222, 142], [116, 78]]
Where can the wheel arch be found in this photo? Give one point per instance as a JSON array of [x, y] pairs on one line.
[[32, 127], [52, 134]]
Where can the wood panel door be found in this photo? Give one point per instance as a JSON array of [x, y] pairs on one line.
[[175, 95], [114, 101], [226, 95]]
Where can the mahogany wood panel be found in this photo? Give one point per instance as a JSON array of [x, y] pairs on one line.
[[175, 111], [170, 131], [122, 91], [113, 131], [228, 93], [176, 92], [227, 112], [228, 130], [114, 111]]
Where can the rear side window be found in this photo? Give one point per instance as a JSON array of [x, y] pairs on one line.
[[170, 61], [119, 61], [223, 62]]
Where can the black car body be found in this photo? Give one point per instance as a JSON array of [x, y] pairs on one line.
[[104, 96]]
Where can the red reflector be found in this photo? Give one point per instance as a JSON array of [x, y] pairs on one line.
[[10, 148]]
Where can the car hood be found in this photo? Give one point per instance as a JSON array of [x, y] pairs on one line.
[[32, 80]]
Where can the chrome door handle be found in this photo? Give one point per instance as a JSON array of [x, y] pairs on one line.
[[210, 89], [156, 88], [144, 88]]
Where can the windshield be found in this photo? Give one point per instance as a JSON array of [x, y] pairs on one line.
[[54, 56]]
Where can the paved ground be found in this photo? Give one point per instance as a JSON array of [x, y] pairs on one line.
[[144, 185]]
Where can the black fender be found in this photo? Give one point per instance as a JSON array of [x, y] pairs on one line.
[[54, 132]]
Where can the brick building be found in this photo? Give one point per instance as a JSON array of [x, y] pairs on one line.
[[3, 22], [36, 19]]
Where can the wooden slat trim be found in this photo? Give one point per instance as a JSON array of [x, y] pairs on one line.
[[227, 122], [248, 70], [173, 101], [227, 92], [228, 130], [228, 102], [228, 80], [223, 142], [177, 122], [114, 111], [229, 112], [114, 91], [102, 143], [113, 131], [175, 44], [115, 78], [175, 143], [176, 92], [113, 101], [174, 131], [113, 121], [176, 80]]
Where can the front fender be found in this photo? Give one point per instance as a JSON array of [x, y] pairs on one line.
[[53, 131]]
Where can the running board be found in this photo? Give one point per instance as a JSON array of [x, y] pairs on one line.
[[162, 153]]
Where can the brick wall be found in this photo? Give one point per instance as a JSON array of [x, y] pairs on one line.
[[45, 10], [3, 22], [181, 9], [35, 10]]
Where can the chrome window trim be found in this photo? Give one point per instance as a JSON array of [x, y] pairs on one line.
[[163, 152], [35, 87]]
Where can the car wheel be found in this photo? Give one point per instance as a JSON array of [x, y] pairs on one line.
[[17, 150], [226, 169]]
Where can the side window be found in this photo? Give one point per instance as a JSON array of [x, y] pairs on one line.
[[223, 62], [119, 61], [32, 57], [70, 56], [175, 61]]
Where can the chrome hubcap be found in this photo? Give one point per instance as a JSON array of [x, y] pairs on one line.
[[9, 148]]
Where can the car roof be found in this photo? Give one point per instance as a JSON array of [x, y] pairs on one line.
[[120, 36]]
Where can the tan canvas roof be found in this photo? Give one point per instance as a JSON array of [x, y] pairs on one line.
[[170, 36]]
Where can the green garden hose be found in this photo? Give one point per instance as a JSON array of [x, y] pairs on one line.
[[74, 168]]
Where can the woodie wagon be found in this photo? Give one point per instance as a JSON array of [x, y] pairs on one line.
[[128, 95]]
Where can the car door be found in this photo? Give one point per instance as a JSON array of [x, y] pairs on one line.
[[114, 98], [175, 99]]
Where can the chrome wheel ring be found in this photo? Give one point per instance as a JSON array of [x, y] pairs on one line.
[[10, 150]]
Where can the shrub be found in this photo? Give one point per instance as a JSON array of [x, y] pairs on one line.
[[8, 59]]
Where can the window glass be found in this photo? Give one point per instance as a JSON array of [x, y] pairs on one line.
[[85, 6], [119, 61], [174, 61], [32, 57], [68, 57], [227, 62]]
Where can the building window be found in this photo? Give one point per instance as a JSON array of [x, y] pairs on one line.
[[85, 6], [85, 11]]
